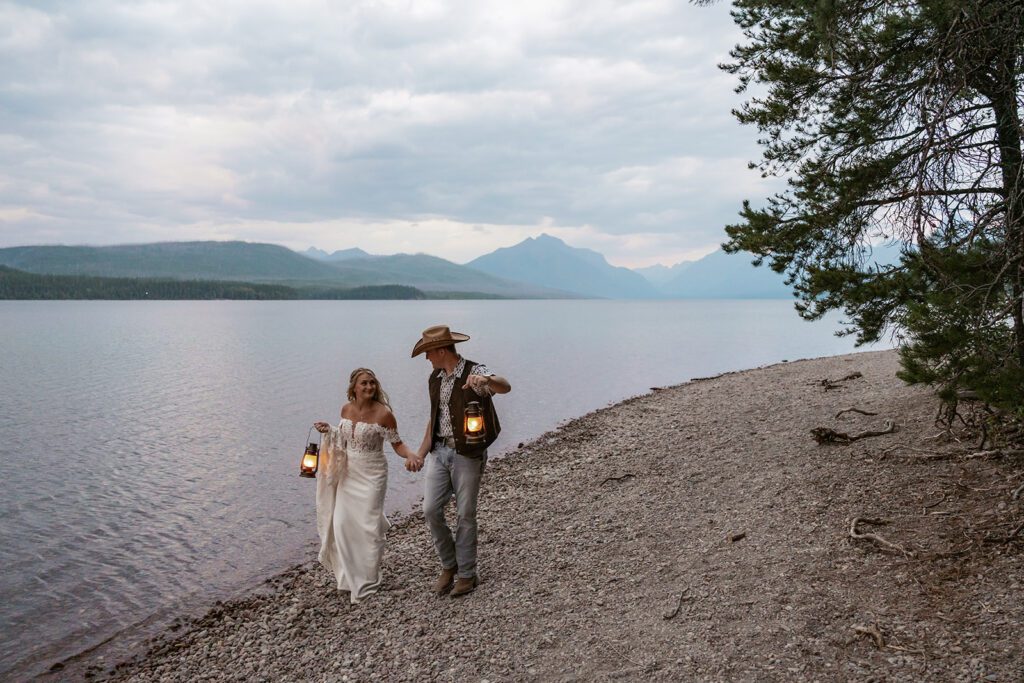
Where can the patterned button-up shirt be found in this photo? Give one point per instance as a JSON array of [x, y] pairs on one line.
[[444, 428]]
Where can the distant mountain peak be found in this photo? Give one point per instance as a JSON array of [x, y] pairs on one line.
[[547, 261], [340, 255], [313, 252]]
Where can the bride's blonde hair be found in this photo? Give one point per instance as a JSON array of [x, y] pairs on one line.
[[380, 396]]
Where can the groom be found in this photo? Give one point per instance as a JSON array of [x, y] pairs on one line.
[[454, 466]]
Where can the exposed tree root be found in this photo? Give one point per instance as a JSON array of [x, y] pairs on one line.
[[851, 409], [875, 538], [825, 435]]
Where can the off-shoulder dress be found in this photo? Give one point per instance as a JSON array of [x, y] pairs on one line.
[[350, 504]]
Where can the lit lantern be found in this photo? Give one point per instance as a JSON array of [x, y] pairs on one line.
[[474, 428], [310, 459]]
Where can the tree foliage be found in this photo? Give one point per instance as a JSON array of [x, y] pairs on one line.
[[895, 122], [17, 284]]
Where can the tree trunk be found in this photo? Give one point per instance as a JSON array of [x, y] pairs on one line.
[[1011, 162]]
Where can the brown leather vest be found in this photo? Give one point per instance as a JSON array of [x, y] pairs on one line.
[[457, 406]]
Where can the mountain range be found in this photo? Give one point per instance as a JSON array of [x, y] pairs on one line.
[[547, 261], [540, 267]]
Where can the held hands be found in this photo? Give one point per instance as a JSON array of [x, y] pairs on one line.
[[414, 463]]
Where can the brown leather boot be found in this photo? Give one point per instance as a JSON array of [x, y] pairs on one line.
[[444, 581], [463, 586]]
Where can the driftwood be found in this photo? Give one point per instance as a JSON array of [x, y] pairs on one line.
[[875, 538], [830, 384], [851, 409], [826, 435]]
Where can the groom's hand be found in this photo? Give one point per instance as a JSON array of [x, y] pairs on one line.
[[414, 464], [478, 383]]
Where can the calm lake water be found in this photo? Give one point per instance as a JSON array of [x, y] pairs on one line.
[[149, 450]]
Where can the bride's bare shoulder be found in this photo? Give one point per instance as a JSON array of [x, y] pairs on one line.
[[346, 410], [388, 420]]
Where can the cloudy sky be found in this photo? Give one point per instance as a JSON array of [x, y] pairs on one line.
[[451, 128]]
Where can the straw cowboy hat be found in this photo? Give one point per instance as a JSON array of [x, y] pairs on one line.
[[435, 337]]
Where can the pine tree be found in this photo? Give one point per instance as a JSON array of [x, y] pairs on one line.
[[895, 122]]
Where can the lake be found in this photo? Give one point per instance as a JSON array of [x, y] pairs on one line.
[[149, 451]]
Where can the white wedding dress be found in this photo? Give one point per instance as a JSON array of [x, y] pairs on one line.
[[350, 504]]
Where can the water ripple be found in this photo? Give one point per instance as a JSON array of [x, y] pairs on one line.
[[148, 450]]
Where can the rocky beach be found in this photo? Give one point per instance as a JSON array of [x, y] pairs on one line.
[[697, 532]]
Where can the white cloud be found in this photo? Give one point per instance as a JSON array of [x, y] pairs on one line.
[[128, 121]]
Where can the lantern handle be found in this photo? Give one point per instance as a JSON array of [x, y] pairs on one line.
[[310, 433]]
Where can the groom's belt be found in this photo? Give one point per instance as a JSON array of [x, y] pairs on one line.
[[445, 441]]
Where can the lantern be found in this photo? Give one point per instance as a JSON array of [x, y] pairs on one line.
[[474, 428], [310, 459]]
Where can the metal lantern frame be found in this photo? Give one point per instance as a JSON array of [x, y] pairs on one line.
[[312, 449], [478, 436]]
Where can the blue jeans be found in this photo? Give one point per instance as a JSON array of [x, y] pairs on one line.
[[450, 473]]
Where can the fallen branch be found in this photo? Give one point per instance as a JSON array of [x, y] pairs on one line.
[[826, 435], [679, 605], [851, 409], [627, 475], [875, 538]]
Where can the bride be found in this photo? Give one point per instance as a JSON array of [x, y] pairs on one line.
[[350, 489]]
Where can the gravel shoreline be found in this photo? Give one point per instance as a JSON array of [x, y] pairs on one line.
[[694, 533]]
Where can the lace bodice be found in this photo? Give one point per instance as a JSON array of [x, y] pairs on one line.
[[365, 440], [366, 436]]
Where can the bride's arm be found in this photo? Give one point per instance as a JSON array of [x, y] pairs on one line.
[[391, 425]]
